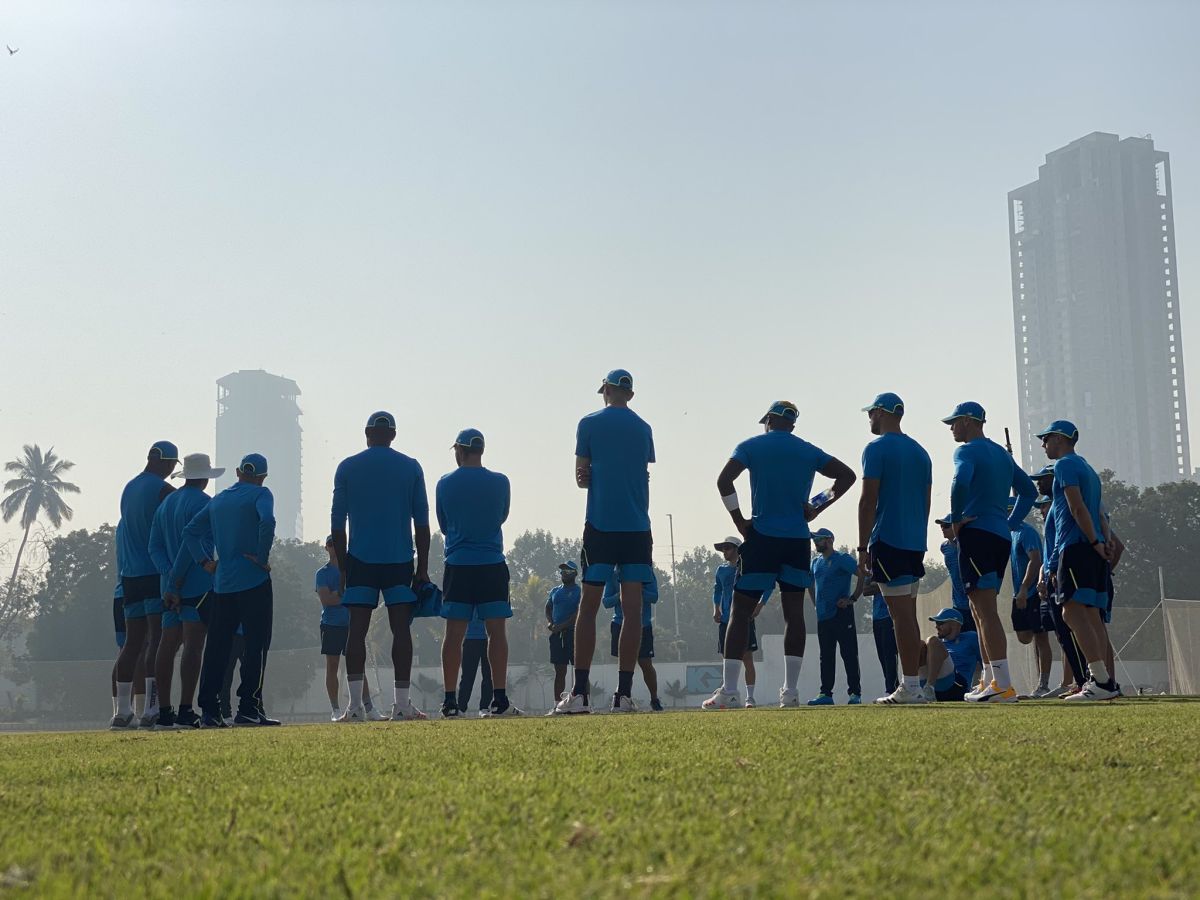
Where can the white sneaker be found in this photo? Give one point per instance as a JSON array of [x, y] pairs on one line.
[[334, 716], [374, 715], [1093, 691], [122, 723], [929, 693], [750, 704], [788, 698], [622, 704], [902, 696], [572, 705], [721, 700], [994, 694], [406, 712], [228, 720], [1041, 693], [976, 692], [509, 711], [352, 714]]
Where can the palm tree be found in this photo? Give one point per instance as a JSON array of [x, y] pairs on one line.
[[36, 490]]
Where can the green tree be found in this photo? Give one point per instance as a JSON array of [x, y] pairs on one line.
[[37, 489]]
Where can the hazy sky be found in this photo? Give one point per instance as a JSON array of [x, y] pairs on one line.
[[467, 212]]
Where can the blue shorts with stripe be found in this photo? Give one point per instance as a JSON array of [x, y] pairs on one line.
[[982, 559], [1083, 577]]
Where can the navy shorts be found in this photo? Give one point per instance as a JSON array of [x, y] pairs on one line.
[[333, 639], [645, 649], [982, 559], [1083, 577], [956, 691], [119, 619], [629, 553], [471, 592], [1029, 618], [968, 619], [366, 581], [751, 638], [562, 648], [895, 567], [767, 561], [142, 596]]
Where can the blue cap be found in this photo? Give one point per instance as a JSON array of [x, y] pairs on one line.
[[1042, 500], [949, 614], [253, 464], [569, 565], [328, 539], [617, 378], [1045, 470], [164, 450], [944, 520], [888, 402], [822, 533], [471, 438], [785, 409], [382, 419], [1063, 427], [968, 410]]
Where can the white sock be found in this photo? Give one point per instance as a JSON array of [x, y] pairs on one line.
[[1000, 674], [912, 682], [124, 692], [114, 704], [1099, 670], [749, 692], [402, 693], [791, 671], [733, 675], [151, 697], [988, 675], [139, 704], [356, 688]]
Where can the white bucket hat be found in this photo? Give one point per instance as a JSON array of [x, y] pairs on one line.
[[731, 541], [198, 465]]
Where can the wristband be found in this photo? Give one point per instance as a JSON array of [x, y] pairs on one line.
[[730, 501]]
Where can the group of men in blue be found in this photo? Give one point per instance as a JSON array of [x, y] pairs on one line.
[[194, 570]]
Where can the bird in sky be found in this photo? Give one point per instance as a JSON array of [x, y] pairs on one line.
[[11, 51]]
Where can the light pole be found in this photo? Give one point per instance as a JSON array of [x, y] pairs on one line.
[[674, 588]]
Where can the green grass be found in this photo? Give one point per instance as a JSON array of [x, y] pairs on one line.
[[942, 802]]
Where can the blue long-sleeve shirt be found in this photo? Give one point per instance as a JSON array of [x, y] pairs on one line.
[[611, 599], [984, 474], [723, 582], [240, 520], [958, 590], [1050, 554], [179, 572], [139, 501], [381, 492]]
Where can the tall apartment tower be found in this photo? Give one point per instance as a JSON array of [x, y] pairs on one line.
[[257, 412], [1096, 307]]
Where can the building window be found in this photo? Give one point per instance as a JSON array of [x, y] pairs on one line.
[[1160, 178]]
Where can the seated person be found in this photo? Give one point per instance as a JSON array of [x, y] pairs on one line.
[[950, 659]]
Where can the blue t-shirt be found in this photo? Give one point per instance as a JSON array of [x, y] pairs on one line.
[[139, 502], [984, 474], [958, 590], [621, 447], [782, 467], [905, 473], [179, 571], [879, 608], [564, 602], [1073, 470], [612, 599], [1050, 550], [238, 521], [724, 579], [476, 630], [472, 504], [328, 576], [964, 653], [831, 582], [1025, 540], [382, 494]]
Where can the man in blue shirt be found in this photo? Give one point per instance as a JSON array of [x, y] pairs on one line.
[[885, 637], [950, 659], [984, 474], [723, 582], [958, 591], [381, 492], [832, 574], [612, 600], [475, 660], [185, 589], [472, 507], [893, 525], [614, 448], [1027, 624], [776, 548], [239, 524], [1084, 549], [140, 586], [562, 607], [335, 626], [1074, 675]]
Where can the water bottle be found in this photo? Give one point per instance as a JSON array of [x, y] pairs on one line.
[[821, 499]]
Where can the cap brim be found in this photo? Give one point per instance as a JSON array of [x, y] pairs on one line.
[[722, 545], [942, 522]]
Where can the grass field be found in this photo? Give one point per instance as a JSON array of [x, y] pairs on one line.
[[945, 802]]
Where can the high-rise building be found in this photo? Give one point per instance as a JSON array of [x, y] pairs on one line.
[[257, 413], [1096, 307]]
